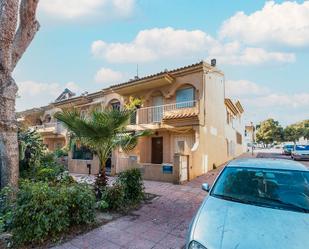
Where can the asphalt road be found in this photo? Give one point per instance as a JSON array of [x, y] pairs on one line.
[[276, 153]]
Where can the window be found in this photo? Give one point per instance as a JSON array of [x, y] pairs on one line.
[[185, 97], [83, 113], [82, 153], [48, 119], [115, 105], [227, 117], [227, 147], [281, 189], [158, 109], [238, 138], [181, 147], [302, 147]]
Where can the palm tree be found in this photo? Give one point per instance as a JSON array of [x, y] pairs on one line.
[[102, 131]]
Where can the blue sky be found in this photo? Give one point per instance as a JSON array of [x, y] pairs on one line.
[[86, 45]]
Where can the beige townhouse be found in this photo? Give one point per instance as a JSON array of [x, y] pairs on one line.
[[234, 129], [195, 127]]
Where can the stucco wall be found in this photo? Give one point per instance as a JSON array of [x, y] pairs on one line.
[[213, 134], [80, 166], [144, 147], [154, 172], [52, 142]]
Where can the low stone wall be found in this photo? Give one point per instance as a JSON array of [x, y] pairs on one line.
[[156, 172], [165, 172], [80, 166]]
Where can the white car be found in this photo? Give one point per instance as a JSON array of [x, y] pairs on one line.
[[254, 204], [300, 152]]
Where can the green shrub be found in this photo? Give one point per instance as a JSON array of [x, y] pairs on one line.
[[133, 186], [48, 159], [61, 152], [114, 197], [43, 212], [31, 148], [102, 205], [6, 208], [65, 178], [81, 203], [48, 172]]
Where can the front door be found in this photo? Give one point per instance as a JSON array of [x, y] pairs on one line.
[[157, 150]]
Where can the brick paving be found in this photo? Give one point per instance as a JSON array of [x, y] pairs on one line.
[[162, 224]]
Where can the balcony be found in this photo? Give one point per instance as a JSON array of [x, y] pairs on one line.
[[163, 113], [51, 128]]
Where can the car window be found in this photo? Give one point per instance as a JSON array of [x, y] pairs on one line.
[[285, 189], [302, 147], [289, 146]]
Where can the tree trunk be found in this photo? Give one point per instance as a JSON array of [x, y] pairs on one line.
[[8, 132], [13, 43], [102, 171]]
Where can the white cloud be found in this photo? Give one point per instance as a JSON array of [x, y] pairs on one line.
[[297, 100], [251, 56], [35, 94], [284, 23], [262, 102], [75, 9], [239, 88], [152, 44], [168, 43], [108, 76]]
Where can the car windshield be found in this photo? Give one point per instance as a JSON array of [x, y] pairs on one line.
[[289, 146], [302, 147], [283, 189]]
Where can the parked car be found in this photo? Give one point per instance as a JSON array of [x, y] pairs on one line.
[[300, 152], [287, 149], [254, 203]]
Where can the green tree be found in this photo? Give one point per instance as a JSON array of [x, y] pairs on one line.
[[269, 131], [31, 149], [32, 140], [295, 131], [102, 131], [292, 133]]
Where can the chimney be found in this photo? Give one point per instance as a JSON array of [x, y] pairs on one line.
[[213, 62]]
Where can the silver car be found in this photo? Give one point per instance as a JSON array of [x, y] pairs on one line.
[[300, 152], [254, 204]]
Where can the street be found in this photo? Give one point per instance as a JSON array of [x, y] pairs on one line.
[[275, 153], [163, 223]]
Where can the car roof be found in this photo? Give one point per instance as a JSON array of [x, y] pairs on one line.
[[267, 163]]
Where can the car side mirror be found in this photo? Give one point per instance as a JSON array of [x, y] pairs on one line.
[[206, 187]]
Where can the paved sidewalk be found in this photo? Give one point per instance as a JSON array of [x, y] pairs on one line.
[[162, 224]]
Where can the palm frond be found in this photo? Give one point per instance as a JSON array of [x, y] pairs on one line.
[[128, 140], [102, 131]]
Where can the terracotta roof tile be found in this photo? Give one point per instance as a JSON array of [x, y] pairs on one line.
[[157, 74], [181, 113]]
